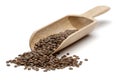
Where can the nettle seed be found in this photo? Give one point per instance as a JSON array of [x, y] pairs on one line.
[[8, 64], [70, 68], [45, 70], [16, 66], [80, 63], [63, 56], [7, 61], [29, 68], [25, 67], [85, 59], [68, 54], [42, 57], [37, 69]]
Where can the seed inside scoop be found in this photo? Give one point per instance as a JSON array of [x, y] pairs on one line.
[[48, 45], [42, 57]]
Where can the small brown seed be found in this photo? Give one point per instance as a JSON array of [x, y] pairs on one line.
[[63, 56], [70, 68], [8, 64], [45, 70], [25, 67], [29, 68], [86, 59], [67, 53], [80, 63], [43, 58], [16, 66], [7, 61], [37, 69]]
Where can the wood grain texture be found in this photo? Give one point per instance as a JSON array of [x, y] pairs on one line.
[[83, 23]]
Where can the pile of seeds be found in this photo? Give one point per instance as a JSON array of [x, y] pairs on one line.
[[48, 45], [42, 57]]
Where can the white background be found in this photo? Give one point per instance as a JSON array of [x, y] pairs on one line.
[[19, 18]]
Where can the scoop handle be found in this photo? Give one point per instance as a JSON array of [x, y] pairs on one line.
[[98, 10]]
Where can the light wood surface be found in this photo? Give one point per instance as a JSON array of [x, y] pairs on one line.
[[98, 10], [83, 23]]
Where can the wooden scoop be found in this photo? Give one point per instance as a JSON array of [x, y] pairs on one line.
[[83, 23]]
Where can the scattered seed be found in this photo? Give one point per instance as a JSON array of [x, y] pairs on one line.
[[37, 69], [25, 67], [63, 56], [70, 68], [8, 64], [45, 70], [16, 66], [7, 61], [80, 63], [29, 68], [86, 59], [42, 57], [68, 54]]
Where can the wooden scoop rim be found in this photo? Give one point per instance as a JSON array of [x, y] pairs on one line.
[[88, 15], [35, 32], [78, 30]]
